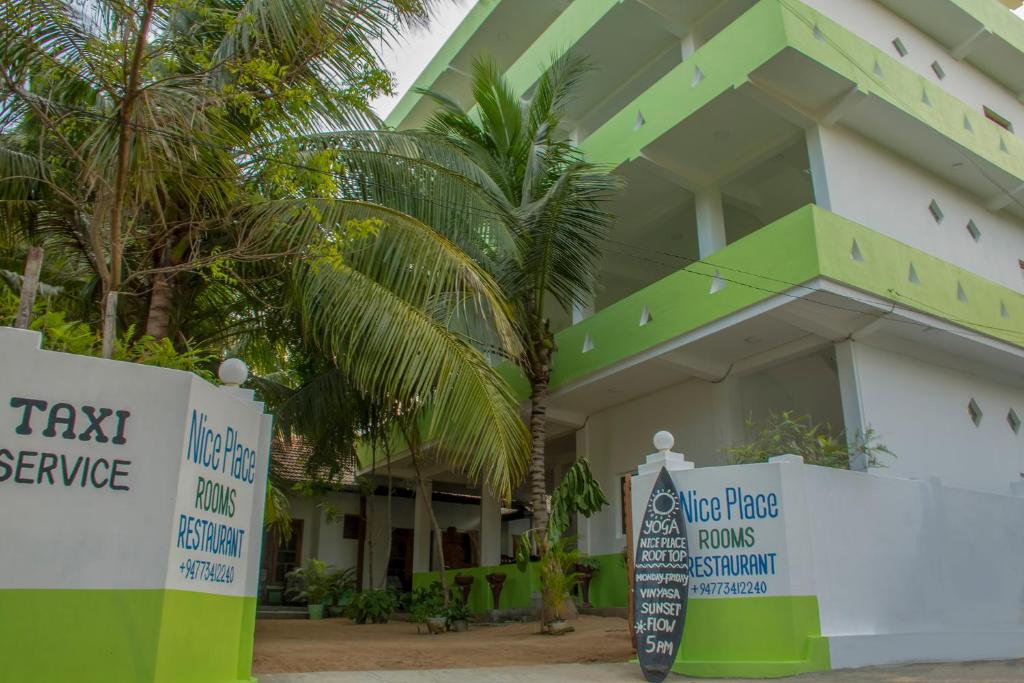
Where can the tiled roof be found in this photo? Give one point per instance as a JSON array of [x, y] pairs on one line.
[[288, 459]]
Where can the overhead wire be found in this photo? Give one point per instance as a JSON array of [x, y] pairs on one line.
[[492, 214]]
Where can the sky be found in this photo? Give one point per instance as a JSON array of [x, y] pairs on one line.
[[408, 59]]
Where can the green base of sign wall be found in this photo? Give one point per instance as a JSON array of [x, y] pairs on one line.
[[763, 637], [125, 636]]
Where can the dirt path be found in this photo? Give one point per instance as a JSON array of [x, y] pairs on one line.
[[284, 646]]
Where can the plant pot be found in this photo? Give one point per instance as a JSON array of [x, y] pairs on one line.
[[315, 611], [497, 582], [460, 625], [465, 584], [586, 575], [559, 627], [274, 595], [335, 610], [436, 625]]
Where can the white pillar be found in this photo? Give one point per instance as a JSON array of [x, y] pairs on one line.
[[688, 45], [490, 528], [647, 473], [421, 530], [583, 534], [728, 415], [816, 159], [849, 392], [710, 221]]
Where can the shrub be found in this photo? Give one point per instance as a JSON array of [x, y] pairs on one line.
[[313, 584], [373, 605], [72, 336], [427, 602], [787, 433]]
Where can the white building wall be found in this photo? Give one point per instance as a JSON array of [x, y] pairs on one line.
[[924, 572], [325, 540], [920, 412], [618, 438], [889, 194], [879, 26]]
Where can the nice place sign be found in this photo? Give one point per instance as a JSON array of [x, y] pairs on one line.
[[131, 505]]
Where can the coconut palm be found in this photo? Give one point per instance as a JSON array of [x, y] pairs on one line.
[[179, 149], [549, 199]]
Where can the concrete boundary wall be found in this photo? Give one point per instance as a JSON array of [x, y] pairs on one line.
[[799, 568], [131, 510]]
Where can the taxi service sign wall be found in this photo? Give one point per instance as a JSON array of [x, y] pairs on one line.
[[131, 504]]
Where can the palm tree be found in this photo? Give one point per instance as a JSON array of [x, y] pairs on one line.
[[179, 149], [551, 202]]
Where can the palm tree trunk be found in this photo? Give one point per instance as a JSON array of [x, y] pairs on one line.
[[161, 300], [539, 380]]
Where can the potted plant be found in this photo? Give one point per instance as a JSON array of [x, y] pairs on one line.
[[373, 605], [458, 615], [311, 586], [586, 568], [557, 577], [427, 607], [341, 585], [577, 493]]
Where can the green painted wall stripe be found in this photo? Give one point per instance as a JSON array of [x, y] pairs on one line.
[[996, 19], [747, 637], [852, 57], [609, 587], [515, 593], [885, 272], [563, 33], [725, 60], [763, 637], [126, 636], [800, 247], [765, 31], [682, 302]]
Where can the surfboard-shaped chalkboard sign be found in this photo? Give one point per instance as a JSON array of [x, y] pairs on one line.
[[661, 580]]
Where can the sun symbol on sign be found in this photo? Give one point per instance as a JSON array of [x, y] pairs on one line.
[[639, 628]]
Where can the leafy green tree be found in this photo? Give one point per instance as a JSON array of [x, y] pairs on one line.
[[178, 147], [550, 201]]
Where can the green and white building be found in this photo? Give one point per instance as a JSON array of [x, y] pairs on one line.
[[825, 214]]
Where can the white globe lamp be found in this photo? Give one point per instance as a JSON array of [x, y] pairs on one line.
[[233, 372]]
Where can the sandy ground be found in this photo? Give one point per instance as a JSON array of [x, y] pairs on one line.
[[965, 672], [284, 646]]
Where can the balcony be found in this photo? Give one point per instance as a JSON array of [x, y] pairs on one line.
[[783, 66], [811, 277]]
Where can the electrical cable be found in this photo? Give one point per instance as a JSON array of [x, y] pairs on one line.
[[480, 211]]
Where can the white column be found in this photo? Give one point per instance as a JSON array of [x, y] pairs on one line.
[[583, 533], [849, 392], [647, 473], [728, 415], [421, 530], [688, 45], [490, 528], [816, 158], [710, 221]]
